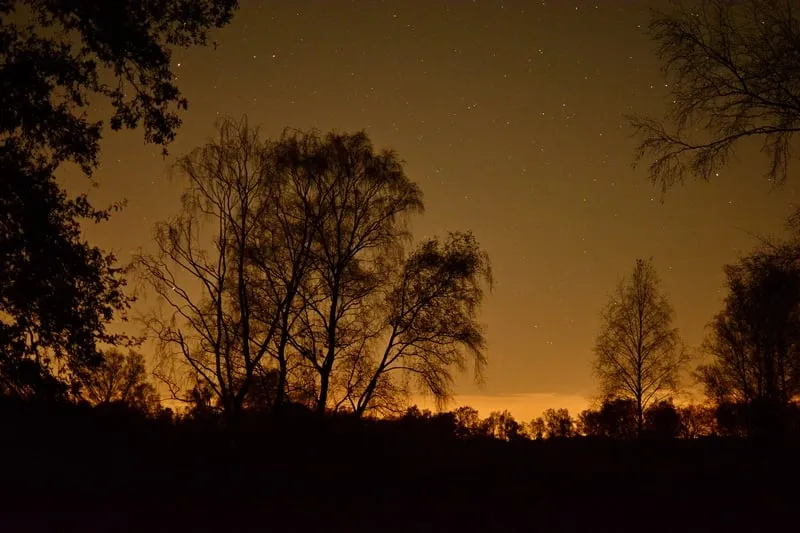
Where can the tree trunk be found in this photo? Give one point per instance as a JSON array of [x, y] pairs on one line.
[[639, 417], [327, 365], [366, 397], [280, 391], [231, 413], [322, 401]]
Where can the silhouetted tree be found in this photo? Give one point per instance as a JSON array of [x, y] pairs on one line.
[[444, 424], [697, 421], [502, 425], [58, 55], [558, 424], [262, 394], [468, 423], [615, 419], [734, 420], [212, 322], [755, 340], [361, 197], [282, 252], [306, 273], [416, 419], [638, 352], [202, 402], [122, 379], [58, 292], [662, 420], [414, 412], [732, 69], [537, 429], [588, 423], [55, 56], [432, 317]]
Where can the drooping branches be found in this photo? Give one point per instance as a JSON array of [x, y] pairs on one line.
[[201, 269], [286, 267], [361, 198], [431, 317]]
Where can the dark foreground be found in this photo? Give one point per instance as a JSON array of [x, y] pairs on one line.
[[68, 473]]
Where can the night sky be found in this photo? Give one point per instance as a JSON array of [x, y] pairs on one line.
[[510, 116]]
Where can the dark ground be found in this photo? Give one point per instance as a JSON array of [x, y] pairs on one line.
[[73, 473]]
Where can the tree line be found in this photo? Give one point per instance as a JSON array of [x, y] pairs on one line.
[[614, 419]]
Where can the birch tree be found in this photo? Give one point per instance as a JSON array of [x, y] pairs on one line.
[[638, 353]]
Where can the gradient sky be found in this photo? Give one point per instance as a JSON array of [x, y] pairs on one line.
[[510, 116]]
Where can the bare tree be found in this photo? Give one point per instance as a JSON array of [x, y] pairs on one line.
[[281, 251], [732, 69], [121, 378], [361, 197], [431, 319], [305, 272], [638, 354], [201, 268]]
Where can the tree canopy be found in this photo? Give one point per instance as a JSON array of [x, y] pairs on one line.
[[732, 72], [288, 260], [58, 292], [753, 341], [59, 61], [61, 57]]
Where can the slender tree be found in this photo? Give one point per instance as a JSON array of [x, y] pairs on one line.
[[638, 354], [732, 71]]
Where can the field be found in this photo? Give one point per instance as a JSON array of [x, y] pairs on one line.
[[75, 473]]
